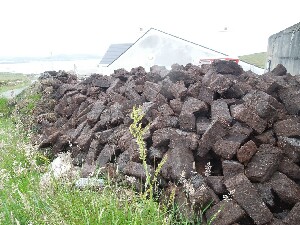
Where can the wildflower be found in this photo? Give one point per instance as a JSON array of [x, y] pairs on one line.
[[229, 197], [4, 177], [207, 171]]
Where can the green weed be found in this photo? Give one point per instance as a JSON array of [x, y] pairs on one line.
[[138, 132]]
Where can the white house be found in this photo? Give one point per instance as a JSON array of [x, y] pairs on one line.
[[156, 47]]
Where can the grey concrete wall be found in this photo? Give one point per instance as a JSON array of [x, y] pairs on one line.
[[284, 48]]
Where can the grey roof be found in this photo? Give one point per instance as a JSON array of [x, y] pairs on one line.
[[113, 52]]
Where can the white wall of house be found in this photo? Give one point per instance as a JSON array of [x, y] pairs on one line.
[[255, 69], [159, 48]]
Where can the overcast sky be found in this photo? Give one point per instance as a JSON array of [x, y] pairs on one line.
[[39, 27]]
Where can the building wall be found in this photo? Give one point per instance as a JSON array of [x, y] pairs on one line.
[[284, 48]]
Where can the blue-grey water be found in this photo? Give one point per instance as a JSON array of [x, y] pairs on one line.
[[35, 67]]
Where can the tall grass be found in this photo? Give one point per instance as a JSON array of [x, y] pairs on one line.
[[24, 201]]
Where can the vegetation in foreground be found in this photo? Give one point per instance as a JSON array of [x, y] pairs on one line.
[[23, 200]]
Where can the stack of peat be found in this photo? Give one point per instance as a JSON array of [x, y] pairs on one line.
[[247, 127]]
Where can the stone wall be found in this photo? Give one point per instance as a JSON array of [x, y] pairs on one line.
[[284, 48]]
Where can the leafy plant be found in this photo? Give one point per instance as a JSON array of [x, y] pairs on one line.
[[138, 132]]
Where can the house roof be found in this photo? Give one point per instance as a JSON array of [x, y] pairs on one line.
[[113, 52], [116, 56]]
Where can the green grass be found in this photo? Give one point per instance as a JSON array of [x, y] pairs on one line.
[[10, 81], [257, 59], [5, 107], [23, 201]]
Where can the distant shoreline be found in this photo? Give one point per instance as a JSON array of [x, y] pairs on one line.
[[83, 66], [16, 60]]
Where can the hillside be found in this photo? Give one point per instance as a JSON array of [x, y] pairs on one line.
[[257, 59]]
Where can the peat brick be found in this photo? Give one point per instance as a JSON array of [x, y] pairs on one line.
[[293, 218], [187, 119], [220, 111], [289, 168], [291, 147], [287, 190], [193, 105], [239, 133], [193, 89], [156, 153], [151, 90], [287, 128], [216, 183], [232, 168], [266, 193], [246, 195], [103, 136], [106, 155], [178, 89], [279, 70], [266, 137], [162, 137], [166, 110], [218, 83], [187, 122], [206, 94], [176, 105], [245, 153], [136, 169], [264, 163], [202, 124], [187, 139], [266, 106], [179, 163], [248, 116], [164, 121], [227, 67], [214, 132], [226, 148], [230, 212], [290, 97], [84, 141]]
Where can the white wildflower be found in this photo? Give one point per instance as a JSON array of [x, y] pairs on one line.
[[202, 187], [207, 171], [229, 197], [130, 179], [4, 177]]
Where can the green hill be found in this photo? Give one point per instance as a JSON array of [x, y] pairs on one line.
[[257, 59]]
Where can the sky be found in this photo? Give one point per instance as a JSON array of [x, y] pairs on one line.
[[45, 27]]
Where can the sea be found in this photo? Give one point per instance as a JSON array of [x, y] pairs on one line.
[[80, 67]]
